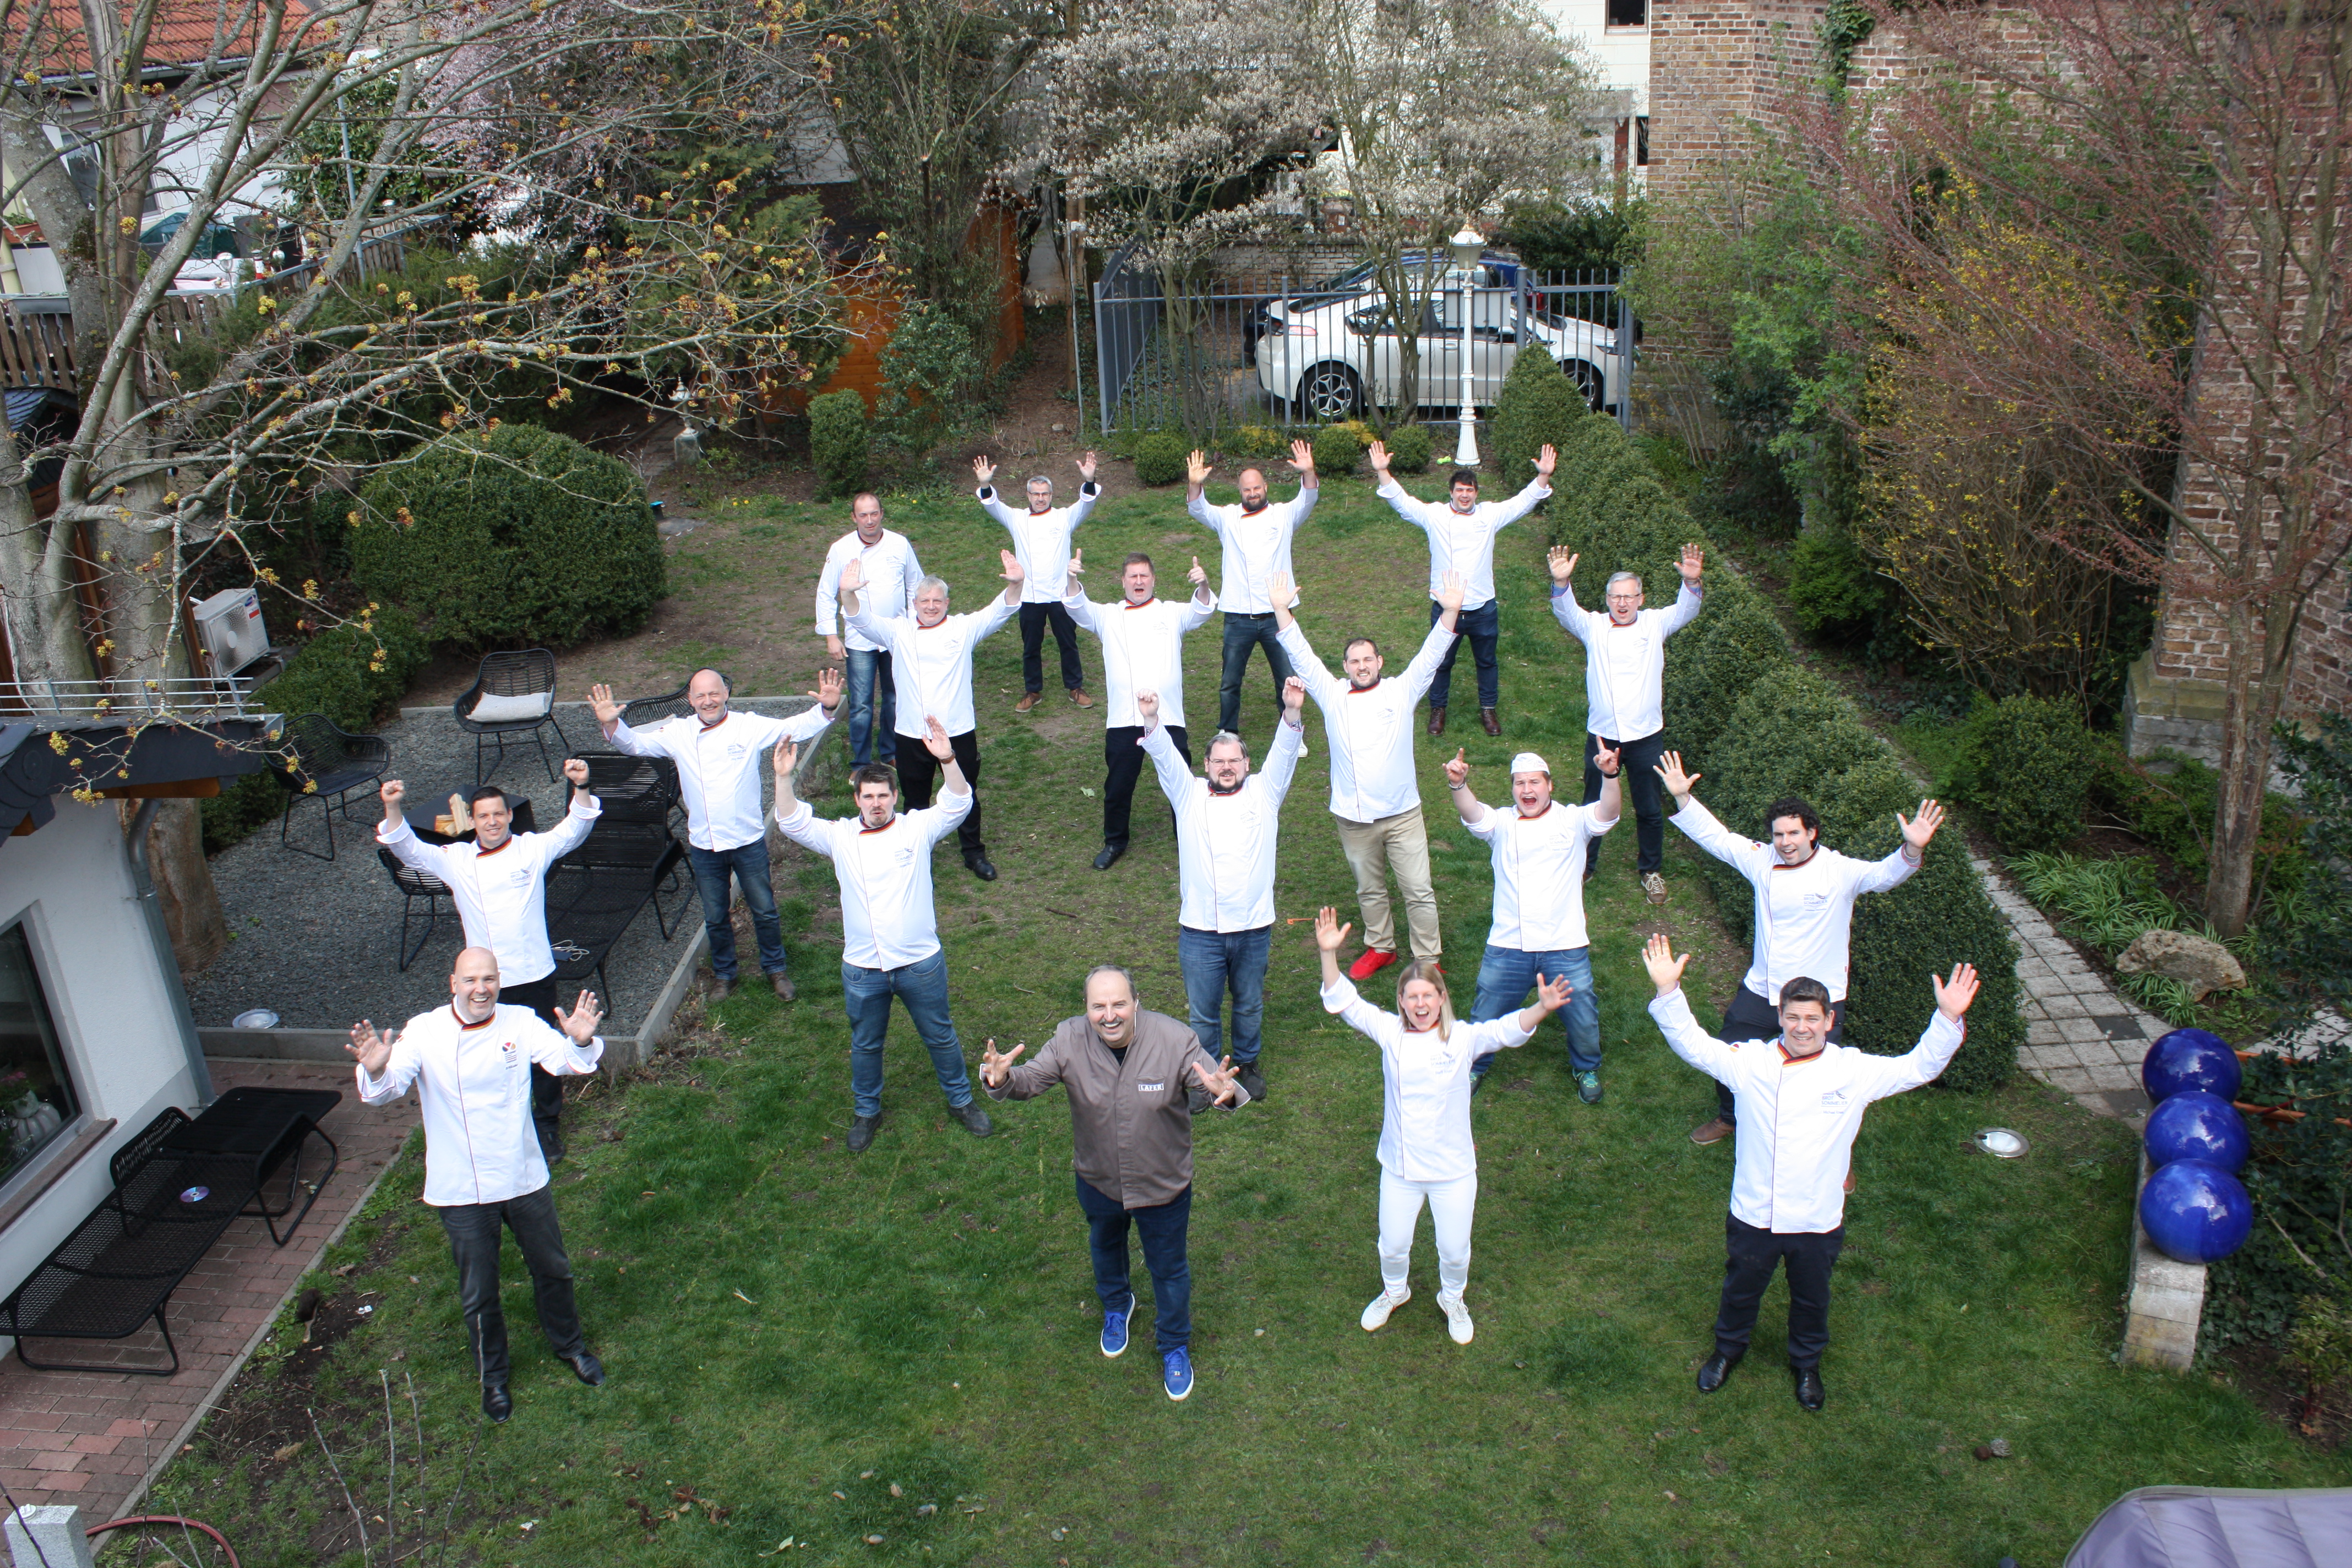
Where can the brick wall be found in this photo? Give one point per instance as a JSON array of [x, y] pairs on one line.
[[1716, 66]]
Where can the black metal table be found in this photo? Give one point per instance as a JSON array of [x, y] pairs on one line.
[[263, 1126]]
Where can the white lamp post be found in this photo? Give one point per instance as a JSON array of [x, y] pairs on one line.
[[1468, 248]]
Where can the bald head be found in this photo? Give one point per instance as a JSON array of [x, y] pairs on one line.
[[474, 984], [706, 693]]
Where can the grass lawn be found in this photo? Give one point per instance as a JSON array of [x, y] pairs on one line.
[[821, 1345]]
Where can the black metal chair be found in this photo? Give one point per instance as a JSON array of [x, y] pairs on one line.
[[414, 885], [322, 762], [645, 855], [512, 694], [653, 710], [633, 789]]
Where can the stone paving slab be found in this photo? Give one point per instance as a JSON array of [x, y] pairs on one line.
[[2082, 1035]]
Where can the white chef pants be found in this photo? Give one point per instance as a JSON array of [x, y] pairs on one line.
[[1450, 1205]]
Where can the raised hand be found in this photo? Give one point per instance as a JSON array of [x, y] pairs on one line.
[[600, 701], [393, 793], [1278, 587], [1451, 591], [994, 1064], [1458, 771], [1678, 783], [582, 1021], [1377, 454], [1546, 460], [1293, 697], [1918, 830], [1605, 758], [576, 771], [1693, 563], [1147, 706], [1302, 457], [853, 575], [1196, 468], [828, 688], [1953, 995], [1328, 932], [1552, 994], [1198, 574], [1078, 570], [1012, 562], [1087, 468], [935, 740], [983, 470], [1665, 969], [788, 757], [369, 1049], [1220, 1083], [1563, 563]]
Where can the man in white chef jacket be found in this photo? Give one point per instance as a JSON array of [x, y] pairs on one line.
[[1255, 531], [469, 1062], [1041, 538], [1800, 1104], [1143, 651], [887, 560]]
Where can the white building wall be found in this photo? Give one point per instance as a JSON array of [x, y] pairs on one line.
[[70, 883], [1622, 53]]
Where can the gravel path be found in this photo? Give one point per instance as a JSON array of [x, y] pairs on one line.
[[319, 942]]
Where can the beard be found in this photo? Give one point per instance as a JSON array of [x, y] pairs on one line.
[[1250, 508]]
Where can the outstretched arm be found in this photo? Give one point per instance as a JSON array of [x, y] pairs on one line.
[[1457, 781], [1938, 1042], [1613, 785], [1672, 1011]]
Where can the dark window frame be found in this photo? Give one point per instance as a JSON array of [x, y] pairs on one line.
[[60, 1103]]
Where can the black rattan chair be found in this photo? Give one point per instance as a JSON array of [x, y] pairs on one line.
[[653, 710], [512, 676], [414, 885], [633, 789], [322, 762]]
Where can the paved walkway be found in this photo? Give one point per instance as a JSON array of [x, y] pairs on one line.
[[2081, 1034], [93, 1439]]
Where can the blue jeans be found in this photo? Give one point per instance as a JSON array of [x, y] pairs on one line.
[[1243, 633], [1163, 1227], [1506, 976], [1214, 962], [870, 686], [922, 987], [748, 863], [1482, 628]]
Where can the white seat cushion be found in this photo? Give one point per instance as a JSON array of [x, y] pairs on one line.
[[490, 709]]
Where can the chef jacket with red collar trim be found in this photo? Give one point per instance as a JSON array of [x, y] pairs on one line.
[[888, 918], [1538, 873], [473, 1083], [930, 666], [1425, 1128], [1041, 540], [720, 766], [1143, 651], [500, 894], [1256, 545], [1370, 727], [1798, 1115], [1225, 843], [1625, 666], [1464, 542]]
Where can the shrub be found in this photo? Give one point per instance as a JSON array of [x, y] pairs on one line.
[[1160, 459], [2029, 762], [515, 535], [2300, 1179], [841, 443], [1338, 450], [930, 368], [2108, 903], [1832, 590], [1410, 448], [1538, 405]]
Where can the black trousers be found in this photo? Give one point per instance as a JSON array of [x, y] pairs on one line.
[[919, 773], [1750, 1018], [473, 1231], [1637, 764], [1123, 764], [1752, 1254], [1034, 619], [546, 1088]]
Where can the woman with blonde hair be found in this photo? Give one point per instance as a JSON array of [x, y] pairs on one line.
[[1425, 1150]]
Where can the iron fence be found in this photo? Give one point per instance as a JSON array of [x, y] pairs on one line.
[[1203, 356]]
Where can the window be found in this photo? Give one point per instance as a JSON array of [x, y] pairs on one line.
[[1629, 12], [1641, 140], [37, 1094]]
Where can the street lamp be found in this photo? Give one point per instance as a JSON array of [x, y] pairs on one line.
[[1468, 248]]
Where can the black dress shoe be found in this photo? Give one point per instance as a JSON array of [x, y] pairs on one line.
[[1251, 1082], [1109, 856], [976, 862], [1716, 1368], [975, 1121], [585, 1367], [861, 1131], [497, 1403], [1810, 1393]]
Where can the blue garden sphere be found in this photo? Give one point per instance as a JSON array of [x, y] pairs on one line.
[[2194, 1211], [2195, 1125], [2190, 1058]]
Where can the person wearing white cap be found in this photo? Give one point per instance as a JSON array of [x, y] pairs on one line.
[[1539, 934], [1425, 1151], [1624, 687], [1041, 537], [1375, 790]]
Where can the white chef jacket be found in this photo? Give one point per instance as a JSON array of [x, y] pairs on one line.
[[888, 920], [1804, 914], [500, 894], [1370, 730], [1625, 666], [1257, 547], [720, 767], [1143, 651], [1225, 843], [1464, 542], [474, 1085], [1798, 1115], [891, 575], [931, 666], [1041, 540], [1425, 1126], [1538, 874]]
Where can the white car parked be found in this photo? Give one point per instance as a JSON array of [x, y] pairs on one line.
[[1333, 361]]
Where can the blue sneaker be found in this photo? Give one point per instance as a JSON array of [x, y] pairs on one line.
[[1114, 1335], [1178, 1364]]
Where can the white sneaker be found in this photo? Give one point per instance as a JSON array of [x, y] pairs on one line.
[[1457, 1317], [1384, 1303]]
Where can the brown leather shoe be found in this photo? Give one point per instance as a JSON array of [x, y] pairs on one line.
[[1492, 725], [1714, 1132], [783, 983], [1079, 695], [1028, 699], [721, 988], [1436, 719]]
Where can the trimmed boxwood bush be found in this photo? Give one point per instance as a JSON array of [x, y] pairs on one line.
[[1338, 450], [1758, 725], [1410, 448], [2030, 763], [1538, 405], [1160, 459], [516, 536], [841, 443]]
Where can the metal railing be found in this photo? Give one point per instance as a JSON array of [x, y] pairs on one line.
[[1205, 356], [129, 700]]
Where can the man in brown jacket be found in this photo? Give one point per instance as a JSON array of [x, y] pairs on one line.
[[1124, 1070]]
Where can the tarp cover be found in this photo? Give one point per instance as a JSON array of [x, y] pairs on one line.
[[2219, 1527]]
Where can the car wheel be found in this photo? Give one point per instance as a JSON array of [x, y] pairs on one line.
[[1590, 384], [1331, 391]]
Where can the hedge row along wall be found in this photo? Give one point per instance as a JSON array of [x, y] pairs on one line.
[[1742, 711]]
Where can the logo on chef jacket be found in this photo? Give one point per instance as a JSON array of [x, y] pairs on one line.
[[519, 877], [1834, 1099], [512, 1055]]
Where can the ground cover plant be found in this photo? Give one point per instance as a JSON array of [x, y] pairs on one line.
[[810, 1348]]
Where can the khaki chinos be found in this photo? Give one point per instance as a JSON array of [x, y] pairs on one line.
[[1398, 843]]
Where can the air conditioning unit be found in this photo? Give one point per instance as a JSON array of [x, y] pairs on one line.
[[229, 630]]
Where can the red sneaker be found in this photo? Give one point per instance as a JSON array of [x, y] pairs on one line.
[[1373, 961]]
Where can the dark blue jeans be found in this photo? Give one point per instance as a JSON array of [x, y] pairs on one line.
[[922, 987], [1163, 1227], [1482, 628], [1506, 976], [1215, 962], [1244, 633], [870, 687], [473, 1232], [749, 863]]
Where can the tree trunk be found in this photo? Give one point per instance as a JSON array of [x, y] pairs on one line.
[[2254, 691], [183, 882]]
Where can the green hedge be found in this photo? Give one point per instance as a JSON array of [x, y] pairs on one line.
[[1760, 726], [841, 443], [1538, 405], [2030, 762], [516, 536], [1411, 449]]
